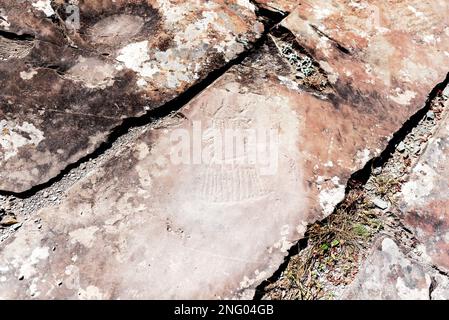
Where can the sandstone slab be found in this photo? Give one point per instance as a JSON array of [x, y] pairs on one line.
[[204, 219], [383, 56], [155, 222], [70, 74]]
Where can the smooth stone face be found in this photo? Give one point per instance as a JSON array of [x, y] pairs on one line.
[[388, 274], [64, 90]]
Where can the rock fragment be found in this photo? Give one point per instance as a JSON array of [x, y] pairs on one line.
[[380, 203]]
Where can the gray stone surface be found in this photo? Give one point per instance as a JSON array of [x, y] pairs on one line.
[[424, 198], [388, 274]]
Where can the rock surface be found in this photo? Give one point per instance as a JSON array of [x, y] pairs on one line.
[[383, 56], [265, 150], [65, 87], [278, 5], [153, 213], [425, 198], [388, 274]]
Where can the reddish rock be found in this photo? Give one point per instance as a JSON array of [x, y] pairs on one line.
[[382, 56], [151, 224], [66, 86]]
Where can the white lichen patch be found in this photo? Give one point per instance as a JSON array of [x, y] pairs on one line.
[[134, 55], [14, 136], [90, 293], [27, 269], [141, 82], [84, 236], [173, 13], [403, 289], [28, 75], [289, 83], [193, 43], [321, 13], [430, 39], [403, 98], [44, 6], [415, 191], [332, 76], [417, 13], [406, 292], [329, 164], [142, 151], [246, 4], [412, 70], [362, 157]]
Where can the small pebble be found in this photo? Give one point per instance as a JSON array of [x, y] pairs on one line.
[[381, 204]]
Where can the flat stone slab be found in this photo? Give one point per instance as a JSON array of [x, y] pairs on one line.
[[424, 199], [183, 214], [179, 214], [154, 222], [71, 74], [388, 274], [383, 56]]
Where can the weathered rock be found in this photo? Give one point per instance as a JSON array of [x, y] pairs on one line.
[[388, 274], [383, 56], [424, 199], [7, 220], [149, 223], [145, 226], [66, 86]]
